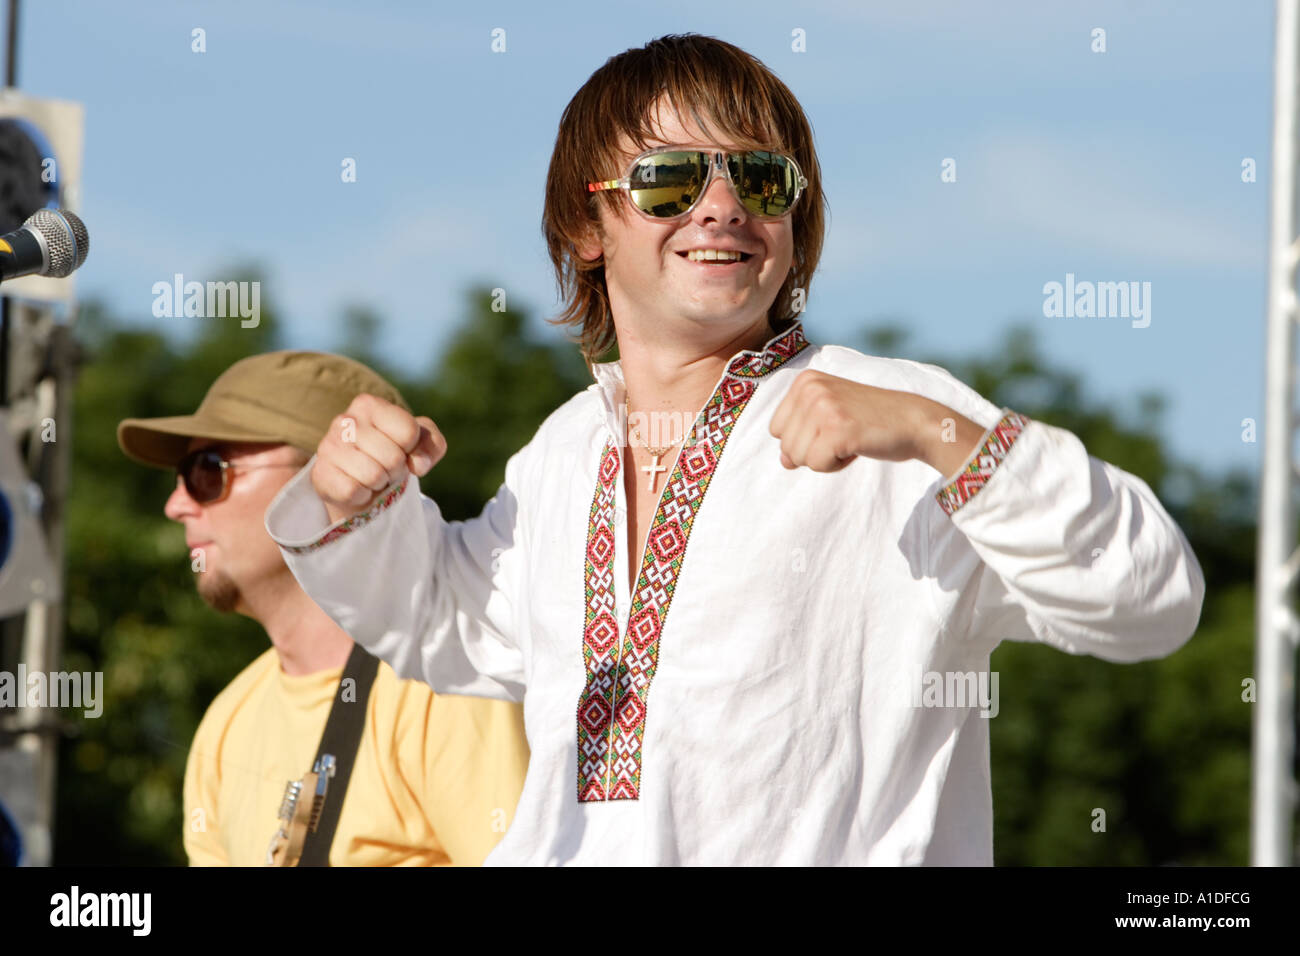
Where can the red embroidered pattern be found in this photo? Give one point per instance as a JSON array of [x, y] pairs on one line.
[[352, 524], [613, 706], [983, 462]]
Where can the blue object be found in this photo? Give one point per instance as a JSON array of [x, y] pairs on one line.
[[11, 843]]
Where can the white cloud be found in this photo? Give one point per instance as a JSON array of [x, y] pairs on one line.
[[1049, 190], [1020, 190]]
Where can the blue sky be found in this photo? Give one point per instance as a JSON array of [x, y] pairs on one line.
[[1115, 166]]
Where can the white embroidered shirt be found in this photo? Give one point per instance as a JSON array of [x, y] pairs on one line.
[[801, 673]]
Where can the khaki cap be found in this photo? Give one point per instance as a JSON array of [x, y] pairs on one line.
[[282, 397]]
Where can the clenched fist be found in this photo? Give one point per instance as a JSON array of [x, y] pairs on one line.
[[370, 447]]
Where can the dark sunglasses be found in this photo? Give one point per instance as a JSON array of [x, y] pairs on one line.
[[666, 182], [207, 475]]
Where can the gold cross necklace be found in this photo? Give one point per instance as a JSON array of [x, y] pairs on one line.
[[654, 467]]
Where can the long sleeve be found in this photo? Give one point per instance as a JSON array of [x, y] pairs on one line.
[[1061, 547], [435, 599]]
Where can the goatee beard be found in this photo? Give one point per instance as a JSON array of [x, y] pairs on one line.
[[218, 591]]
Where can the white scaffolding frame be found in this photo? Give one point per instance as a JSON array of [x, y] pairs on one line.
[[1277, 628]]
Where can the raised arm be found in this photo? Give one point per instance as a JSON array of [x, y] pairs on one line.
[[1061, 547], [435, 599]]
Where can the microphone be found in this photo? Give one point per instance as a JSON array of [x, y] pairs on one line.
[[52, 242]]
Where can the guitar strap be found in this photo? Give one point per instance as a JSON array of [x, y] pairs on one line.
[[342, 737]]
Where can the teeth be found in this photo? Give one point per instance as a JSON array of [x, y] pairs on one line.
[[700, 255]]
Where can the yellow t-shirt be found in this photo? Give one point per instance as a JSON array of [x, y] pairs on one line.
[[436, 780]]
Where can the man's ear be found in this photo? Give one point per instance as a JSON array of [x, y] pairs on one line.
[[589, 245]]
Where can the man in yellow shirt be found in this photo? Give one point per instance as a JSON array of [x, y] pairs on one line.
[[435, 778]]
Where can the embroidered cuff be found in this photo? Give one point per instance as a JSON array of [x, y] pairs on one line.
[[359, 520], [982, 462]]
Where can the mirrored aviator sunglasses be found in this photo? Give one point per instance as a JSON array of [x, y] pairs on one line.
[[667, 183]]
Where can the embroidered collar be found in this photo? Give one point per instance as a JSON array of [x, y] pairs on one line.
[[745, 364], [613, 708]]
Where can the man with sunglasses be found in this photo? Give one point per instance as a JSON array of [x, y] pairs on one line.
[[731, 656], [434, 779]]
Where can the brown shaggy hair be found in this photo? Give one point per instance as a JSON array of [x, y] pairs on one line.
[[711, 79]]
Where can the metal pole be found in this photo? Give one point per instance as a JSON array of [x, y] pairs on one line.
[[1277, 627], [43, 637], [11, 81], [11, 53]]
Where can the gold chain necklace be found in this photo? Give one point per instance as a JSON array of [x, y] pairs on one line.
[[654, 467]]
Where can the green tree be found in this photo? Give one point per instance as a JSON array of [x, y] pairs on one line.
[[488, 393]]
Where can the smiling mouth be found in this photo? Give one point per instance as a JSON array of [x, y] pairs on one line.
[[744, 257]]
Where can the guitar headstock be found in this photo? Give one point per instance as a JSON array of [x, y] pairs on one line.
[[298, 816]]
